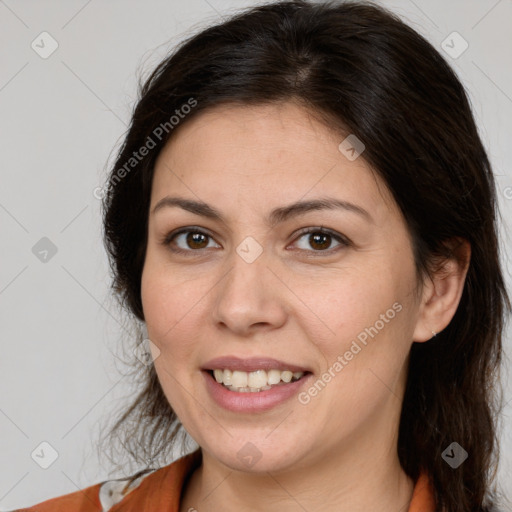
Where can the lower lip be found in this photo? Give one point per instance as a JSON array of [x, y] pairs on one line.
[[258, 401]]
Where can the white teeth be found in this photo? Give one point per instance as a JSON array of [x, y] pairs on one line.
[[257, 379], [227, 377], [239, 379], [286, 376], [274, 376], [250, 382], [248, 390]]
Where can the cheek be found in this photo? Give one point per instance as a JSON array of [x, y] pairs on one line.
[[162, 309], [157, 303], [368, 326], [171, 307], [349, 304]]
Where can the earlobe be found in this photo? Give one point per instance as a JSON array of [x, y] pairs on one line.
[[442, 292]]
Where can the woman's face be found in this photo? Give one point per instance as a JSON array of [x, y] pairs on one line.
[[344, 310]]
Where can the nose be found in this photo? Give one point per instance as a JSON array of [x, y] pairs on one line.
[[250, 298]]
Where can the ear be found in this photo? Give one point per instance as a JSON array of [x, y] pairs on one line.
[[442, 291]]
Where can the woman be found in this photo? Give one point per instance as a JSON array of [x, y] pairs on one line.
[[303, 217]]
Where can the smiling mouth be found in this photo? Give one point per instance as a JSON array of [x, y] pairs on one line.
[[256, 381]]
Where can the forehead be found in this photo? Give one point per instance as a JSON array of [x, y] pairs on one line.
[[269, 154]]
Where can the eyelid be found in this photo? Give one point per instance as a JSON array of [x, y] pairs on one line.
[[167, 239], [341, 239]]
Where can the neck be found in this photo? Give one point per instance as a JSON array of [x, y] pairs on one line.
[[358, 474], [336, 481]]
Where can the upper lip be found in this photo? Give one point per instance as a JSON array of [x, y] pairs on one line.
[[251, 364]]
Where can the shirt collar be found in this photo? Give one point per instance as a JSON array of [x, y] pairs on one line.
[[171, 480]]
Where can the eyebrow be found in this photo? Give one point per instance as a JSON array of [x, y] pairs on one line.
[[276, 216]]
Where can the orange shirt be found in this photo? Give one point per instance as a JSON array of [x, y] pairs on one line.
[[159, 490]]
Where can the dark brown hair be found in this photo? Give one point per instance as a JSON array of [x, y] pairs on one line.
[[363, 71]]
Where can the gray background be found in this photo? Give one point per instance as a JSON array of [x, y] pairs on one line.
[[60, 117]]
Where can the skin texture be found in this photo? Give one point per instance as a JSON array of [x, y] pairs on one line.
[[338, 451]]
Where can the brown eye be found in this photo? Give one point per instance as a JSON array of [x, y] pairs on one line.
[[320, 240], [191, 240], [196, 240]]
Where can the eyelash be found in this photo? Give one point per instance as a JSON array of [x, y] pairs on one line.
[[344, 242]]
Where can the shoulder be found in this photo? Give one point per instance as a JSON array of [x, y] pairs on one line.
[[104, 496], [98, 497]]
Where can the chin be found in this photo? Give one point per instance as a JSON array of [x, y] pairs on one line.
[[257, 454]]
